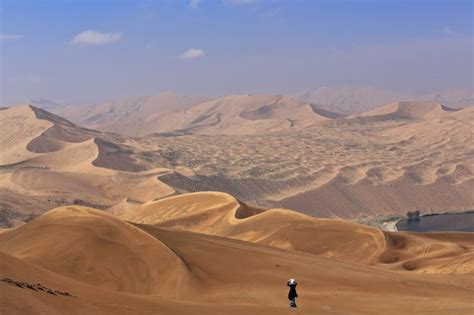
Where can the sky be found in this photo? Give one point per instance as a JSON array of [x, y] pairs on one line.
[[91, 51]]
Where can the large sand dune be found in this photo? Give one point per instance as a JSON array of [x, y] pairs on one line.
[[408, 110], [240, 114], [51, 161], [222, 215], [106, 265], [17, 131]]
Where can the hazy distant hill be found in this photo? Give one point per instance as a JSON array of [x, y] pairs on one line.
[[455, 98], [127, 116], [358, 99]]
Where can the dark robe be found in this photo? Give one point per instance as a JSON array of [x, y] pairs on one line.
[[292, 294]]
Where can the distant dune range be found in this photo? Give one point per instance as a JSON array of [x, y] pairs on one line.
[[171, 258], [129, 116], [359, 99], [270, 151], [174, 114], [239, 114]]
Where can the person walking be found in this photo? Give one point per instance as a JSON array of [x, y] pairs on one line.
[[292, 295]]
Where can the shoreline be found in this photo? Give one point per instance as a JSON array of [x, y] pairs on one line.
[[391, 226]]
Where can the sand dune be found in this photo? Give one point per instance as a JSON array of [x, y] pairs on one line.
[[350, 99], [408, 110], [239, 114], [17, 132], [54, 162], [180, 272], [125, 258], [222, 215]]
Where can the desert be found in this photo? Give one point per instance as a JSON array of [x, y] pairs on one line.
[[236, 157]]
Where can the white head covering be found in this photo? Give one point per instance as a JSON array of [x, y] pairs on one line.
[[292, 281]]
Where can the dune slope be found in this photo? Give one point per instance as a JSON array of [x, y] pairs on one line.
[[107, 253], [220, 214], [179, 272], [52, 161]]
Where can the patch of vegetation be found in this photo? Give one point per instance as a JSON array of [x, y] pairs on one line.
[[85, 203], [7, 216], [35, 287]]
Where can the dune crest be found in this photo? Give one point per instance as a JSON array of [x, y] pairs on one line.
[[409, 110], [56, 162], [239, 115], [18, 132], [218, 214], [359, 99]]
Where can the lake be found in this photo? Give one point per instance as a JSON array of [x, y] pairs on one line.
[[459, 222]]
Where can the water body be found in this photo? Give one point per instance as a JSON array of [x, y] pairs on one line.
[[461, 222]]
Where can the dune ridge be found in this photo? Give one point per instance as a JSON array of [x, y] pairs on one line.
[[240, 115], [182, 272], [217, 214], [49, 158], [408, 110]]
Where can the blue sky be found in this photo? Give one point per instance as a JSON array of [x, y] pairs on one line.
[[90, 51]]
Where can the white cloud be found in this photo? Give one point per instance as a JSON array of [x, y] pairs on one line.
[[91, 37], [5, 37], [194, 3], [192, 53]]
